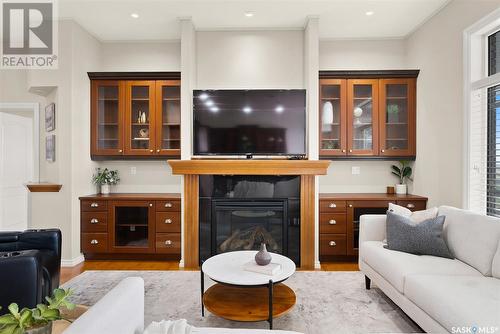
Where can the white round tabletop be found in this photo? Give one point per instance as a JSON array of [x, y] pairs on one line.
[[228, 268]]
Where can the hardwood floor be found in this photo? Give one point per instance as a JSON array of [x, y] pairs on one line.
[[68, 273]]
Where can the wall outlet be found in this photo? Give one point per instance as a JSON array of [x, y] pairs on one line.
[[133, 170], [356, 170]]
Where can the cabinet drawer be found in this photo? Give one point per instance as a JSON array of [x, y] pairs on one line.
[[332, 223], [94, 242], [94, 221], [173, 205], [168, 222], [169, 243], [94, 205], [332, 244], [331, 206], [413, 205]]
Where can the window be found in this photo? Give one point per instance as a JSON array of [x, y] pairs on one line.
[[493, 52], [493, 149]]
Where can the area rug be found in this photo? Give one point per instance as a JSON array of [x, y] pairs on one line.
[[327, 302]]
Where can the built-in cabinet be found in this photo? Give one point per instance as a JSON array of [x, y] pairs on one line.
[[131, 226], [339, 219], [134, 118], [368, 116]]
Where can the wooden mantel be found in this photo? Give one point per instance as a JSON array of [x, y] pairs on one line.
[[192, 169]]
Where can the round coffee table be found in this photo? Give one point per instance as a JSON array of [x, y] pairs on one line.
[[242, 295]]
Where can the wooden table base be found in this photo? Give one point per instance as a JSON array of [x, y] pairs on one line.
[[248, 304]]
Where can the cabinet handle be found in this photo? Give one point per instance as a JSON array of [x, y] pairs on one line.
[[350, 151], [332, 222], [350, 205], [151, 151], [94, 242], [168, 221], [410, 205], [94, 205], [343, 151], [94, 221], [332, 243], [168, 242], [383, 151], [168, 205], [158, 151], [332, 205], [120, 151], [150, 204]]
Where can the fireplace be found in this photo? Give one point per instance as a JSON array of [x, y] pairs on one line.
[[241, 212]]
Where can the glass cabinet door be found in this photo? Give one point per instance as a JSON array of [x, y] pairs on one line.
[[133, 226], [362, 115], [397, 117], [332, 118], [168, 117], [140, 117], [107, 117]]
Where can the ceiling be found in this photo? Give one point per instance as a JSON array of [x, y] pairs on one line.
[[110, 20]]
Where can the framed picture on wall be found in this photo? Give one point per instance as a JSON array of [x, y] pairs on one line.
[[50, 117], [50, 148]]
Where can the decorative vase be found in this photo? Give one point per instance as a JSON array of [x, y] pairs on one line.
[[105, 189], [47, 329], [263, 257], [401, 189], [327, 117]]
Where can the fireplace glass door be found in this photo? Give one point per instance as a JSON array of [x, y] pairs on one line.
[[245, 224]]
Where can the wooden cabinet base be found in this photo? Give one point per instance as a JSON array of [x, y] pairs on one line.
[[248, 304]]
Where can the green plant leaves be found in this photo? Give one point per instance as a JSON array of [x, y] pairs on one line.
[[403, 172]]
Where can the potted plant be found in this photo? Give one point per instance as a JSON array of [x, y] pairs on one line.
[[104, 178], [37, 320], [392, 113], [403, 172]]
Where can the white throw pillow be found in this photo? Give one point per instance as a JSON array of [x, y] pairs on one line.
[[415, 216]]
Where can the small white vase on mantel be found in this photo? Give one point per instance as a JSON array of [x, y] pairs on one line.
[[105, 189], [401, 189]]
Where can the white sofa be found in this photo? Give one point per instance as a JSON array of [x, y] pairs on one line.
[[439, 294], [121, 311]]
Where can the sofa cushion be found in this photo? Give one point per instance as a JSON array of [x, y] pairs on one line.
[[424, 238], [495, 267], [471, 237], [415, 216], [457, 301], [394, 266]]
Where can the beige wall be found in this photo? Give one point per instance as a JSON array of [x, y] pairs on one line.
[[436, 49]]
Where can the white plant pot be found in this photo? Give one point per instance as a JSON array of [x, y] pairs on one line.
[[105, 189], [401, 189]]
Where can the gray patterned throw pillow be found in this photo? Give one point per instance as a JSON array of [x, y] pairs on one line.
[[425, 238]]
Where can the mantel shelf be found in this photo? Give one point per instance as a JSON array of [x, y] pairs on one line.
[[249, 167]]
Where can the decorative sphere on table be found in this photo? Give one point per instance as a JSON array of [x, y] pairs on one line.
[[263, 257]]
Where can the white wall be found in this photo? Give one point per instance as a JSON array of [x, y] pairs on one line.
[[250, 59], [436, 49]]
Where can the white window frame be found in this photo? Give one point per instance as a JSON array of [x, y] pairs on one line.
[[475, 66]]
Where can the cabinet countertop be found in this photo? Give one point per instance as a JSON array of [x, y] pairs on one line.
[[371, 197], [132, 196]]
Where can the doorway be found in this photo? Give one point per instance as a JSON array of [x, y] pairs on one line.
[[19, 162]]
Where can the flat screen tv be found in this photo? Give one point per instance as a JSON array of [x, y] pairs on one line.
[[257, 122]]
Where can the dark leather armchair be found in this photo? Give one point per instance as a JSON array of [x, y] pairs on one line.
[[30, 263]]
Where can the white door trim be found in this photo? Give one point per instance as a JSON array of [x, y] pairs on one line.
[[35, 109]]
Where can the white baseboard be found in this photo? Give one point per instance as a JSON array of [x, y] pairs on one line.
[[317, 265], [73, 262]]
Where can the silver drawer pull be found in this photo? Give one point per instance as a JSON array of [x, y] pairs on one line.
[[410, 205], [332, 205], [168, 242], [332, 222], [94, 205], [350, 205], [94, 242], [94, 221], [168, 205], [332, 243], [168, 221]]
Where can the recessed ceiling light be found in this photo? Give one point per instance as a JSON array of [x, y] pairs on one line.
[[249, 14], [209, 103], [279, 109], [369, 13], [214, 109], [247, 110], [203, 96], [134, 15]]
